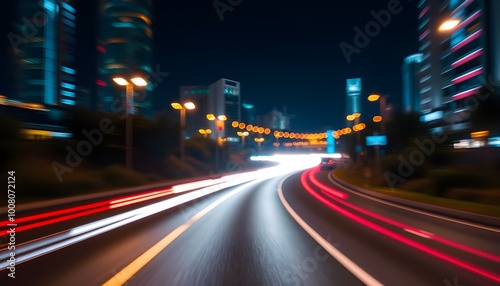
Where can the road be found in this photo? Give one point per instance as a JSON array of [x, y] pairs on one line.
[[258, 234]]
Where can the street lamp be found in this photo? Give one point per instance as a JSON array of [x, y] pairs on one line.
[[219, 125], [183, 108], [205, 132], [449, 25], [383, 107], [129, 109], [242, 135], [259, 142]]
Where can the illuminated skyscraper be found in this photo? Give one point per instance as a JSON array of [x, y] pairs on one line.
[[225, 99], [411, 90], [46, 50], [457, 62], [353, 89], [125, 47]]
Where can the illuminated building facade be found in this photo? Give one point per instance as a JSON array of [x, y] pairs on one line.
[[225, 99], [458, 62], [125, 50], [353, 89], [47, 52], [411, 90]]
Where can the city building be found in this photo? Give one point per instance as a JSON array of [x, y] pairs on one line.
[[248, 113], [46, 53], [353, 91], [276, 120], [460, 43], [225, 99], [125, 50], [196, 119], [411, 85]]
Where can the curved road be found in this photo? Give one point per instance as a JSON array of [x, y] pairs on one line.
[[246, 236]]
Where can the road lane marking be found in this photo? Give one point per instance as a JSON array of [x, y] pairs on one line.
[[130, 270], [420, 233], [352, 267], [412, 209]]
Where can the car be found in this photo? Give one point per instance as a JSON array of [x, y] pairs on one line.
[[327, 163]]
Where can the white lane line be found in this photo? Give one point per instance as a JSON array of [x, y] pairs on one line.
[[131, 269], [352, 267], [413, 209], [421, 234]]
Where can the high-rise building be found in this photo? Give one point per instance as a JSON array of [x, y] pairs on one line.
[[196, 119], [225, 99], [125, 45], [353, 89], [47, 52], [411, 86], [456, 63]]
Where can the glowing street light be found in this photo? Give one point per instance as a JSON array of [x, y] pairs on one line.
[[129, 103], [383, 103], [219, 125], [259, 142], [449, 25], [139, 81], [373, 97], [243, 134], [183, 108], [205, 132]]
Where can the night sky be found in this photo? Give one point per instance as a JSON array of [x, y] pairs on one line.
[[283, 54]]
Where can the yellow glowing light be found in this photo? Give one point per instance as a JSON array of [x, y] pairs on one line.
[[242, 125], [377, 118], [176, 105], [235, 124], [210, 116], [373, 97]]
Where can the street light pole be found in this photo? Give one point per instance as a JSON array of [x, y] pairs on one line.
[[128, 125], [183, 133], [182, 108], [129, 109]]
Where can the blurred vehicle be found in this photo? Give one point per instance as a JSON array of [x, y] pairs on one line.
[[327, 163]]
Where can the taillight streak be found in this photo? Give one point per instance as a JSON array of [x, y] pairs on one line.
[[394, 235], [403, 226], [84, 210]]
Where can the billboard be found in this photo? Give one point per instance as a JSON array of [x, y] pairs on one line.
[[353, 86], [376, 140]]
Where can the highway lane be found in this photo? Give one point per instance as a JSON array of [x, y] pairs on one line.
[[248, 239], [391, 260]]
